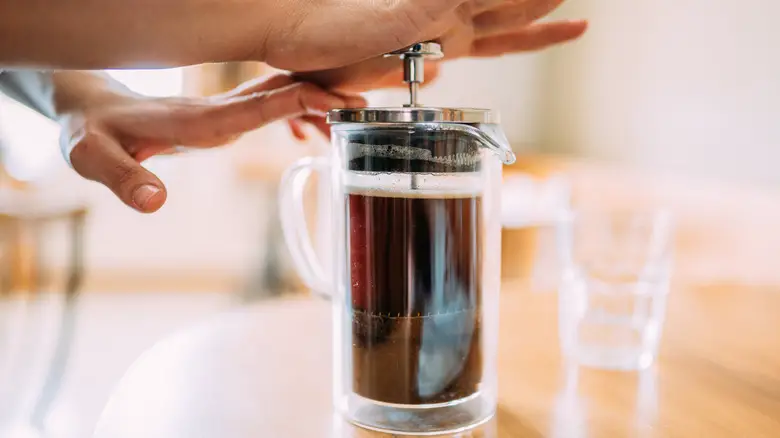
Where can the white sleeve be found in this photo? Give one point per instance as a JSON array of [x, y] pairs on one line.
[[33, 88]]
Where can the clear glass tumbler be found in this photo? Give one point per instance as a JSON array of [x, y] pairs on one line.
[[612, 301]]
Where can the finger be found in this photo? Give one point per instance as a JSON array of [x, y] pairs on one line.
[[208, 123], [320, 123], [259, 85], [354, 101], [533, 37], [97, 156], [479, 6], [432, 71], [355, 78], [296, 127], [148, 150], [283, 80], [511, 18]]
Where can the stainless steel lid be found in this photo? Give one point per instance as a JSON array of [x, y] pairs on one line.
[[400, 115]]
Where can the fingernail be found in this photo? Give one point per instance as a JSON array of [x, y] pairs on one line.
[[142, 195]]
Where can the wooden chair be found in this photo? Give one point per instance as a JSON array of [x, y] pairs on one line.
[[25, 214]]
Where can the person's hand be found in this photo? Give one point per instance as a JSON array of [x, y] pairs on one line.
[[481, 28], [330, 34], [486, 29], [107, 142]]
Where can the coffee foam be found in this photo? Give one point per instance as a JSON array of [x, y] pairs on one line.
[[412, 193], [413, 153]]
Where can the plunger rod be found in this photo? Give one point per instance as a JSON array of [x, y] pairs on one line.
[[414, 65], [413, 88], [414, 75]]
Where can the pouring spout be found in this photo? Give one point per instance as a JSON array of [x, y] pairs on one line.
[[497, 141], [490, 135]]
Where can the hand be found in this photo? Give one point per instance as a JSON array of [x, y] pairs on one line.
[[486, 28], [107, 142], [332, 39]]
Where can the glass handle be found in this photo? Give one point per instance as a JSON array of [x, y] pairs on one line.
[[294, 227]]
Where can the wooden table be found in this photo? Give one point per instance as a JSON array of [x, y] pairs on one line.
[[264, 371]]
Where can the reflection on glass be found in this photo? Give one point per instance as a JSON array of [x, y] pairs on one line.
[[587, 397], [568, 412], [343, 429]]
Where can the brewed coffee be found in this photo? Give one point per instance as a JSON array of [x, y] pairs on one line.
[[415, 280]]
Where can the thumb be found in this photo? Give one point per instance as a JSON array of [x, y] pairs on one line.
[[97, 156]]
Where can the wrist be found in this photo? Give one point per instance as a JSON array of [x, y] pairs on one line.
[[80, 91]]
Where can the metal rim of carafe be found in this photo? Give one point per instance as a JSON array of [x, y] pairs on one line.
[[396, 115]]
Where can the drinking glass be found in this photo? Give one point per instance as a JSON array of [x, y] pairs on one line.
[[612, 301]]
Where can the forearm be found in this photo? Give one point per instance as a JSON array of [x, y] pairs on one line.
[[98, 34]]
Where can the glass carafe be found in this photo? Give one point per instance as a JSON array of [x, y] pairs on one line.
[[415, 270]]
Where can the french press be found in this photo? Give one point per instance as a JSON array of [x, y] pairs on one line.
[[415, 271]]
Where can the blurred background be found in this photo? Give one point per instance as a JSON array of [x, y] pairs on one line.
[[687, 89]]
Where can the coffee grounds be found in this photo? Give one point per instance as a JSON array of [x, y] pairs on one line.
[[416, 360]]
